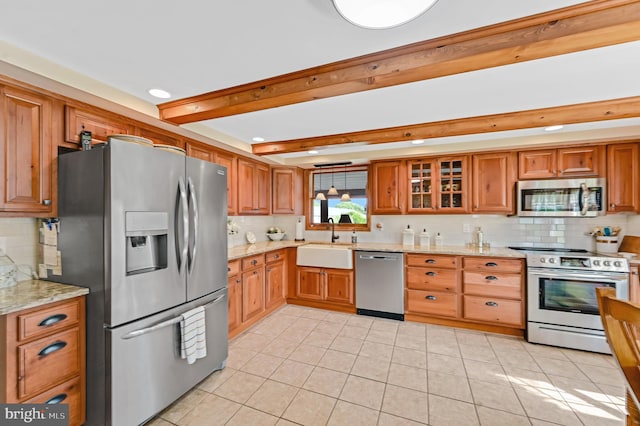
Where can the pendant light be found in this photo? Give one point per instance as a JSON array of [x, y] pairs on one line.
[[320, 196], [332, 190], [345, 197]]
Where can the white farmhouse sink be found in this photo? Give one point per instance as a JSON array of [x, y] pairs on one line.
[[325, 256]]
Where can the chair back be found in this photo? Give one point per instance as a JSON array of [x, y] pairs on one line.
[[621, 321]]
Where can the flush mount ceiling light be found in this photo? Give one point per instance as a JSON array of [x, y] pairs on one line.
[[159, 93], [380, 14], [553, 128], [257, 139], [313, 152], [417, 141]]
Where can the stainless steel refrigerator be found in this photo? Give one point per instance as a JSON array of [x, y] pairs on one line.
[[145, 230]]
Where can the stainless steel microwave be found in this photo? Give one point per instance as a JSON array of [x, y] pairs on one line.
[[562, 197]]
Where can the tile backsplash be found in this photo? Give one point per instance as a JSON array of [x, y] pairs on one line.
[[19, 236]]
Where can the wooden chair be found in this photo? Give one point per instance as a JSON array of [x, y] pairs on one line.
[[621, 321]]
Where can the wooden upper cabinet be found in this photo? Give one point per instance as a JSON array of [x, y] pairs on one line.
[[493, 180], [200, 150], [230, 161], [27, 153], [100, 126], [286, 197], [253, 187], [622, 178], [439, 185], [159, 137], [388, 187], [561, 162]]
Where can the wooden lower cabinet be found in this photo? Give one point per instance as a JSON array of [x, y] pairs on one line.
[[325, 287], [493, 310], [252, 293], [432, 303], [275, 278], [235, 295], [43, 350]]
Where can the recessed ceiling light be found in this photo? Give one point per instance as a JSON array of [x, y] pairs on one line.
[[553, 128], [257, 139], [418, 141], [313, 152], [378, 14], [159, 93]]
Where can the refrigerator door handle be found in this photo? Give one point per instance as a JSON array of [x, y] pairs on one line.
[[194, 205], [166, 323], [182, 252]]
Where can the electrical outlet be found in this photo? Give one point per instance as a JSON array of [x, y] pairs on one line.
[[466, 228]]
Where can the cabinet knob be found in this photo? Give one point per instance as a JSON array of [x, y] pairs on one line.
[[46, 202], [491, 264], [490, 278], [492, 304], [430, 273], [429, 261], [430, 297], [254, 262]]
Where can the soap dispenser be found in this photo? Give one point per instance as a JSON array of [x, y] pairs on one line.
[[439, 241], [425, 239], [408, 236]]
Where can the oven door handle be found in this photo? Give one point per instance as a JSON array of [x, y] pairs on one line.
[[559, 274]]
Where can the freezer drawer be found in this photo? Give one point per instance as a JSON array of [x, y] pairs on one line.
[[144, 364]]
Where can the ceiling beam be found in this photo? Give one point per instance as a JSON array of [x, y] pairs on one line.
[[569, 114], [584, 26]]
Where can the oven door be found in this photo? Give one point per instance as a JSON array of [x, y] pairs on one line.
[[568, 297]]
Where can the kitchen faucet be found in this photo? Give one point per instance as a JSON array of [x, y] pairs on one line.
[[334, 237]]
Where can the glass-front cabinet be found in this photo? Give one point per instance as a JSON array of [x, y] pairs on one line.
[[438, 185]]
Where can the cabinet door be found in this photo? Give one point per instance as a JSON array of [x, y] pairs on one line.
[[387, 181], [452, 187], [262, 188], [339, 286], [252, 293], [492, 181], [253, 188], [287, 191], [309, 283], [537, 164], [159, 137], [230, 161], [580, 161], [422, 184], [275, 284], [200, 152], [99, 125], [622, 178], [27, 152], [235, 301]]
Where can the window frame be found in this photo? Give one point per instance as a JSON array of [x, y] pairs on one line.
[[309, 197]]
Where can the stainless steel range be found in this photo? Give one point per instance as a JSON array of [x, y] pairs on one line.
[[562, 307]]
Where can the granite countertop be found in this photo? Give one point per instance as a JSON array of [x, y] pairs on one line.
[[33, 293], [238, 252]]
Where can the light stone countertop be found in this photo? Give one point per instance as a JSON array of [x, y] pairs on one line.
[[32, 293], [238, 252]]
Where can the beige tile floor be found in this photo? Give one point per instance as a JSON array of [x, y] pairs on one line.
[[314, 367]]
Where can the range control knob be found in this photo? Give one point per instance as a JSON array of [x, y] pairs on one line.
[[596, 263], [543, 260], [617, 264], [606, 263], [552, 260]]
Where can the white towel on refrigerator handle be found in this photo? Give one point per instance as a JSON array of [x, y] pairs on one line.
[[193, 336]]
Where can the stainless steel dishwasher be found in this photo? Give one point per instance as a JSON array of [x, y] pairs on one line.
[[380, 284]]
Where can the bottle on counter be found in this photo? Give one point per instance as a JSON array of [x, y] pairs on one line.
[[354, 238], [479, 237], [425, 239], [408, 236], [439, 241]]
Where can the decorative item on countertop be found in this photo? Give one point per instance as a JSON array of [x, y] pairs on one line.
[[299, 230], [354, 237], [232, 227], [408, 236], [425, 239], [8, 272], [275, 234], [479, 237], [439, 242], [606, 238]]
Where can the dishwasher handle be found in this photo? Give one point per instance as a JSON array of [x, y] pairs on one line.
[[377, 257]]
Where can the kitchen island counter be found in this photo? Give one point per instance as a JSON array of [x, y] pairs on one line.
[[33, 293]]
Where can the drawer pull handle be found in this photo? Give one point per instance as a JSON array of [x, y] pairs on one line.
[[54, 347], [277, 256], [431, 273], [254, 262], [53, 319], [429, 261], [431, 297], [490, 278], [491, 264], [57, 399], [492, 304]]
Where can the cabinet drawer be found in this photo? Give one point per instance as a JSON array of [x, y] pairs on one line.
[[493, 264], [274, 256], [252, 261], [432, 303], [494, 310], [67, 393], [234, 267], [493, 285], [430, 260], [48, 360], [45, 321], [432, 279]]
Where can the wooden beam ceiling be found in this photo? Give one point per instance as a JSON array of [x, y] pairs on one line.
[[584, 26]]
